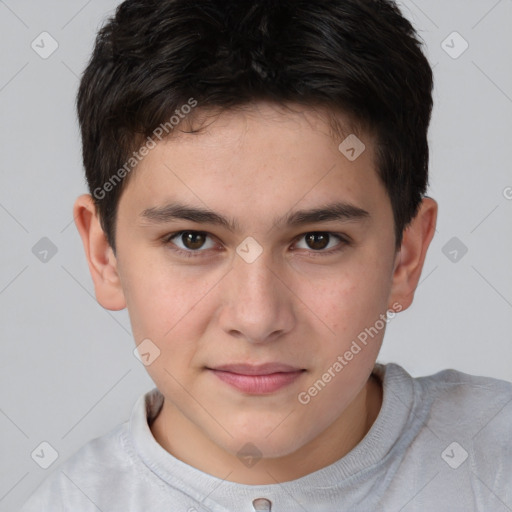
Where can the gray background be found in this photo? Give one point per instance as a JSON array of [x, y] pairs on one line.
[[68, 373]]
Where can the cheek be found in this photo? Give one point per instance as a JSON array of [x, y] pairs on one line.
[[163, 312], [352, 299], [151, 306], [172, 306], [161, 298]]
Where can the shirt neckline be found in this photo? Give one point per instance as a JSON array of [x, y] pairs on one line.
[[218, 494]]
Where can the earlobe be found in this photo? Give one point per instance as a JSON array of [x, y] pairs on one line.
[[100, 256], [411, 256]]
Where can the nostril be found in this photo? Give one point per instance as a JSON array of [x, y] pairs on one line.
[[262, 505]]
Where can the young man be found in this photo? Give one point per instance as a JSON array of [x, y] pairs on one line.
[[258, 174]]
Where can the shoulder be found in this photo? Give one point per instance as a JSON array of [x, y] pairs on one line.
[[457, 439], [466, 395], [454, 403], [448, 388], [75, 483], [467, 403], [471, 416]]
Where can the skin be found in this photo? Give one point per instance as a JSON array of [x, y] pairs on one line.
[[294, 304]]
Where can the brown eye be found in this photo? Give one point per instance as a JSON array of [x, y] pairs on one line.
[[322, 242], [193, 240], [317, 241], [190, 242]]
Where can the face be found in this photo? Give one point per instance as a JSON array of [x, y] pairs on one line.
[[257, 242]]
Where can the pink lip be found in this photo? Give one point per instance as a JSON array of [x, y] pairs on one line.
[[257, 379]]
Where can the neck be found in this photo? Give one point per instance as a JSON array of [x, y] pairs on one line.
[[190, 445]]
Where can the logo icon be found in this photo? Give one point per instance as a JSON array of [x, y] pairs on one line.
[[454, 250], [146, 352], [454, 45], [44, 45], [44, 455], [44, 250], [352, 147], [249, 250], [454, 455], [249, 455]]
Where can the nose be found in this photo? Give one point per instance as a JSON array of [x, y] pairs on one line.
[[258, 305]]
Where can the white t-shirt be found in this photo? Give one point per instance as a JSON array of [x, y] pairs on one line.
[[440, 443]]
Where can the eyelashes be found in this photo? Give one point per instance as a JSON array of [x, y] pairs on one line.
[[191, 243]]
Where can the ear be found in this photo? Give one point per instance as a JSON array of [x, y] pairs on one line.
[[100, 256], [411, 256]]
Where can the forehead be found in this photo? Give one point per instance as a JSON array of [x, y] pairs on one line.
[[262, 159]]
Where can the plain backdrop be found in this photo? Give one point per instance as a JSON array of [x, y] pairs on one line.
[[68, 373]]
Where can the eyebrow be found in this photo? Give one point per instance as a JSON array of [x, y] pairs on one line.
[[339, 211]]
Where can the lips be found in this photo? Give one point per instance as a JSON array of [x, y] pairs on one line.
[[257, 379], [260, 369]]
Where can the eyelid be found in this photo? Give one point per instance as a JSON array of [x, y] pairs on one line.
[[167, 240], [343, 239]]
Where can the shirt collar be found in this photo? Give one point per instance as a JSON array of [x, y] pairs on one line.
[[220, 495]]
